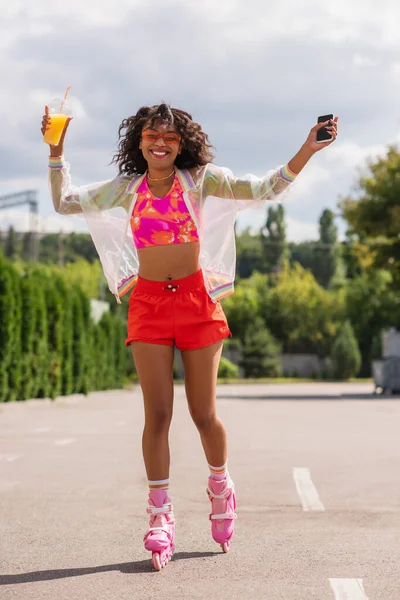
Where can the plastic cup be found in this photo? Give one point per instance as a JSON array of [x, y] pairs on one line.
[[58, 118]]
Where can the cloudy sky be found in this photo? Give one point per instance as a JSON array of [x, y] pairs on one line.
[[255, 74]]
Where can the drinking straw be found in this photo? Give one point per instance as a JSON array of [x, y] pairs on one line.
[[65, 98]]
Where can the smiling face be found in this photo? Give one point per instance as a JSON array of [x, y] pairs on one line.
[[160, 145]]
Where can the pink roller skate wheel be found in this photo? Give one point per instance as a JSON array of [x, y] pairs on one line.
[[156, 561]]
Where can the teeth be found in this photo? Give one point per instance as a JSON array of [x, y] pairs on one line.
[[160, 153]]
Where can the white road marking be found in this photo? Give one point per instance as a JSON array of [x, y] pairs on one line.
[[42, 430], [9, 457], [348, 589], [64, 442], [306, 490]]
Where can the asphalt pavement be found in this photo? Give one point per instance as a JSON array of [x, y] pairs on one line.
[[316, 469]]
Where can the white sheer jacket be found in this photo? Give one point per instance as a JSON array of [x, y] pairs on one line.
[[213, 196]]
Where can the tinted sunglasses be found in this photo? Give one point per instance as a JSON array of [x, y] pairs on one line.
[[153, 136]]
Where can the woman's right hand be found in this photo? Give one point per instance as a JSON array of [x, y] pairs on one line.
[[54, 150]]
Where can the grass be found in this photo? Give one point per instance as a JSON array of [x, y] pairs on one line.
[[236, 381], [291, 380]]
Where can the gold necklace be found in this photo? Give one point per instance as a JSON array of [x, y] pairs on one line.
[[160, 178]]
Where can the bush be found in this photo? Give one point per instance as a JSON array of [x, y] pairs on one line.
[[6, 327], [227, 370], [345, 355], [67, 357], [40, 363], [55, 318], [80, 342], [259, 352], [28, 325], [14, 372]]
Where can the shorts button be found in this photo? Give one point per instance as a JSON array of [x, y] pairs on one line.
[[174, 289], [170, 286]]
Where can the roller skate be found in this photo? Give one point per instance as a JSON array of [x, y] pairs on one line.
[[159, 539], [223, 506]]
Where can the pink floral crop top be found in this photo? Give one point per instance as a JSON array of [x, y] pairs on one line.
[[161, 221]]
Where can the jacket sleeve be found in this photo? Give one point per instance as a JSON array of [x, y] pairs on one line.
[[68, 198], [247, 191]]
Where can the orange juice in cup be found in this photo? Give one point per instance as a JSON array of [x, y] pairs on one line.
[[59, 113]]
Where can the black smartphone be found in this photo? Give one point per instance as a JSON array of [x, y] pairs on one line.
[[323, 135]]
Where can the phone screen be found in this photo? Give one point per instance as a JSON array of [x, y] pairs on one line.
[[323, 135]]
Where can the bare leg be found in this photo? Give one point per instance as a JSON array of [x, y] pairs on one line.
[[154, 365], [201, 370]]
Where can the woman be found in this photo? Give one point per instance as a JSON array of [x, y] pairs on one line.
[[165, 227]]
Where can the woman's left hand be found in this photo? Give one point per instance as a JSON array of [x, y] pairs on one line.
[[311, 142]]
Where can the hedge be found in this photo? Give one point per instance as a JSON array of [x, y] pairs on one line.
[[49, 343]]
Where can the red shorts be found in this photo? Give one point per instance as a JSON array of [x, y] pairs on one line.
[[176, 312]]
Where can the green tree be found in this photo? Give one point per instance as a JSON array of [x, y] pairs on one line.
[[303, 253], [80, 338], [14, 388], [64, 249], [80, 245], [40, 358], [249, 257], [67, 370], [371, 306], [6, 326], [327, 250], [374, 214], [49, 248], [345, 355], [11, 245], [55, 328], [119, 352], [273, 239], [28, 248], [351, 260], [80, 273], [100, 344], [241, 309], [259, 351], [108, 352], [29, 327], [300, 313]]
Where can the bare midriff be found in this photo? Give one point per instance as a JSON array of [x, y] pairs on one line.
[[172, 261]]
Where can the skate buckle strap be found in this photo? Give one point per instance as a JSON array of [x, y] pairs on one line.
[[155, 510], [163, 529], [231, 515], [221, 496], [229, 490]]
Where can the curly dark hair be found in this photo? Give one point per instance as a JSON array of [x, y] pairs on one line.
[[195, 144]]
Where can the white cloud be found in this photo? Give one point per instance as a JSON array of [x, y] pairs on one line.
[[24, 221], [395, 67], [298, 231], [40, 97], [335, 21], [104, 13], [360, 60], [255, 74], [350, 155]]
